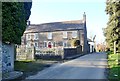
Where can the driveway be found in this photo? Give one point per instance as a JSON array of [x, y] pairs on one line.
[[91, 66]]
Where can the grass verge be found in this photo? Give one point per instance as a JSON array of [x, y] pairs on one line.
[[114, 67], [32, 67]]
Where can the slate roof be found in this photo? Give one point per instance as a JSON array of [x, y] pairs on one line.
[[56, 26]]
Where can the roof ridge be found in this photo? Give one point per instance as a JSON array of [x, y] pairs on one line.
[[73, 21], [67, 21]]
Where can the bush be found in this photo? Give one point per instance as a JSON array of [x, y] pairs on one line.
[[76, 43]]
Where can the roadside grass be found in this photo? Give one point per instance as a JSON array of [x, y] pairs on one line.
[[114, 67], [32, 67], [27, 66]]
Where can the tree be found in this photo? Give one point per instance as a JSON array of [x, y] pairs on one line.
[[14, 19], [112, 31]]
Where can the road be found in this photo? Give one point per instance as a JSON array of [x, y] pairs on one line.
[[91, 66]]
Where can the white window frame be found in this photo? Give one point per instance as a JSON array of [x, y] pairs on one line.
[[36, 36], [44, 44], [54, 44], [36, 43], [28, 36], [74, 34], [49, 35], [65, 44], [28, 44], [64, 34]]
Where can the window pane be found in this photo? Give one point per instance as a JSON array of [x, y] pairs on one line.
[[28, 36], [64, 34], [36, 36], [45, 44], [54, 44], [60, 43], [65, 43], [50, 35], [74, 34], [36, 44], [41, 44]]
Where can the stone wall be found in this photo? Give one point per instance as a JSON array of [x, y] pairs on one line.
[[0, 60], [79, 50], [7, 58], [72, 51], [69, 52], [22, 53], [25, 53]]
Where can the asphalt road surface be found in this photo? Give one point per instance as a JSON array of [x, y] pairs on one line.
[[91, 66]]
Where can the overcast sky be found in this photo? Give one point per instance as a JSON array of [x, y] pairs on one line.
[[44, 11]]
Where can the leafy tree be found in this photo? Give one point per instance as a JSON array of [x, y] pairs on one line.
[[14, 19], [112, 31]]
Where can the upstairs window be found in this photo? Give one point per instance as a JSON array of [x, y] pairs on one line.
[[64, 34], [28, 36], [74, 34], [50, 35], [36, 36]]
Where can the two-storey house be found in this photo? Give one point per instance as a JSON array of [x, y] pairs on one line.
[[56, 34]]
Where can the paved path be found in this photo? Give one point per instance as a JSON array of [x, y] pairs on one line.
[[91, 66]]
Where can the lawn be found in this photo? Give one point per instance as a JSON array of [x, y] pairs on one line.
[[114, 67], [32, 67]]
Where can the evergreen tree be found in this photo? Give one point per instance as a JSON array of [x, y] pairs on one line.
[[14, 19], [112, 31]]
